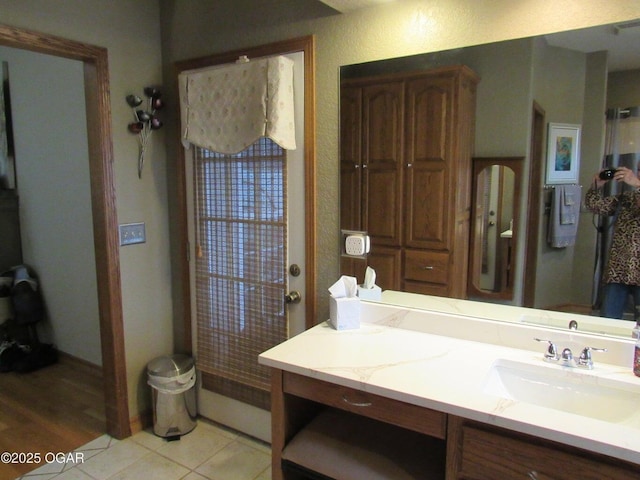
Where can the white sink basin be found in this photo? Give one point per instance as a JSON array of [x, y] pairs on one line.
[[563, 389]]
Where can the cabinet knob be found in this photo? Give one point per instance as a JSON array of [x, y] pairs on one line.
[[533, 475], [428, 267], [409, 165]]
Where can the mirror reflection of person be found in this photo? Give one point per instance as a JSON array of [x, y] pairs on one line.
[[622, 272]]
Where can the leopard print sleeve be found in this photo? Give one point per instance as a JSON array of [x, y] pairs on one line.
[[597, 203]]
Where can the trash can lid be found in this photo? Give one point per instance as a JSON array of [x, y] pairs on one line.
[[170, 365]]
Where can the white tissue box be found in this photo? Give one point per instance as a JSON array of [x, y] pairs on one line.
[[374, 293], [344, 313]]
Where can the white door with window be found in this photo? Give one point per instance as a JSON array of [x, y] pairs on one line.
[[247, 231]]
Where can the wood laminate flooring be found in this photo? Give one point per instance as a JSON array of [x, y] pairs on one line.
[[55, 409]]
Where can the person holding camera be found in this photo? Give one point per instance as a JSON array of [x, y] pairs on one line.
[[622, 273]]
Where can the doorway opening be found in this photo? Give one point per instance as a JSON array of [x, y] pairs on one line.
[[97, 99]]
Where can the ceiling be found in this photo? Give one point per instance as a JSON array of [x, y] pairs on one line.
[[620, 40]]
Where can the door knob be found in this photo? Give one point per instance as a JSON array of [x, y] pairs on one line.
[[293, 297]]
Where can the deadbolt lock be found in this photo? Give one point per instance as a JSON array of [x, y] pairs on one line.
[[294, 270]]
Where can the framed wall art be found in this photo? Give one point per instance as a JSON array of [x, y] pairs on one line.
[[563, 153]]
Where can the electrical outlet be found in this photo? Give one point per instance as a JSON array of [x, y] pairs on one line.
[[131, 233], [355, 244]]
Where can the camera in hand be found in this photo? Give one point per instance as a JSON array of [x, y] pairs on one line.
[[607, 174]]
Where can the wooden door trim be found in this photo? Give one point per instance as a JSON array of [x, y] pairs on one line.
[[534, 194], [103, 204], [307, 46]]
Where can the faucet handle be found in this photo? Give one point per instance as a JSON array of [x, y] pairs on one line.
[[552, 351], [585, 359]]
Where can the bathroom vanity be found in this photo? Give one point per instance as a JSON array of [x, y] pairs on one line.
[[422, 394]]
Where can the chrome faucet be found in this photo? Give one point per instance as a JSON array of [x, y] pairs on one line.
[[566, 358], [585, 360], [551, 355]]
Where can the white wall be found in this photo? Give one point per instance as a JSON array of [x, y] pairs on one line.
[[52, 167], [592, 151], [559, 88], [624, 89]]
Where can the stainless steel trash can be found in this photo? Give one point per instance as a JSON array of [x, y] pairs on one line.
[[172, 380]]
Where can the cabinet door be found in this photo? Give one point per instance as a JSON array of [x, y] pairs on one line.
[[428, 208], [353, 267], [386, 261], [383, 110], [350, 158], [489, 453]]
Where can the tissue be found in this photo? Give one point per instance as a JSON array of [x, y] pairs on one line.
[[369, 290], [344, 304]]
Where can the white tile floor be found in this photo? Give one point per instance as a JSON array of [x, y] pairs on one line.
[[209, 452]]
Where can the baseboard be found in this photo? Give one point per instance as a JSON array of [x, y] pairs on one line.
[[78, 363], [137, 424], [141, 422]]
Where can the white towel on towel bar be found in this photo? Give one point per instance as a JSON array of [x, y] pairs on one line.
[[564, 215]]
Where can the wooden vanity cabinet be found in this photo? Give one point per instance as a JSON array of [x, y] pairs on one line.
[[480, 452], [297, 399], [470, 450], [406, 147]]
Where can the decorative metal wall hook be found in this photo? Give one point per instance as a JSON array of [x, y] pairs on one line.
[[145, 121]]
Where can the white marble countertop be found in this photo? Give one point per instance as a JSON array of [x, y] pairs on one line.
[[448, 374]]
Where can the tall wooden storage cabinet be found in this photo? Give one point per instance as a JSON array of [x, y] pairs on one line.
[[406, 147]]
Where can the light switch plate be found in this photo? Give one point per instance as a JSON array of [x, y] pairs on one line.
[[132, 233]]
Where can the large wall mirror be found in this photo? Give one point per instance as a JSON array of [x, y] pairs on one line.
[[572, 77]]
